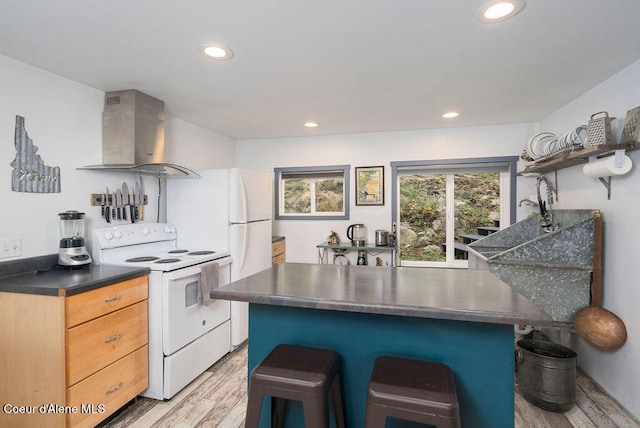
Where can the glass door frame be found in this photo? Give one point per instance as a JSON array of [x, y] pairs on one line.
[[506, 165]]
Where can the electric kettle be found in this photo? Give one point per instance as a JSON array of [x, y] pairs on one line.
[[357, 234]]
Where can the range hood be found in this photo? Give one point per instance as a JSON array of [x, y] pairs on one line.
[[133, 136]]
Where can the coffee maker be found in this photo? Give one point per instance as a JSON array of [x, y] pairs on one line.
[[73, 252]]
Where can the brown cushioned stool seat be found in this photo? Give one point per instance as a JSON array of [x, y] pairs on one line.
[[412, 390], [299, 373]]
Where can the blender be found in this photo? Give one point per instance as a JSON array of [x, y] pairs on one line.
[[73, 252]]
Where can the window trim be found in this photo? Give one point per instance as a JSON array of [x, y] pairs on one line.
[[346, 170]]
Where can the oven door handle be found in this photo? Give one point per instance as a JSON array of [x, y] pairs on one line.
[[194, 270]]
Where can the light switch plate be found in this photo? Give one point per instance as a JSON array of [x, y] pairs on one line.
[[10, 247]]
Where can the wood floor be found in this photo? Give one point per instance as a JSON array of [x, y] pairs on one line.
[[218, 398]]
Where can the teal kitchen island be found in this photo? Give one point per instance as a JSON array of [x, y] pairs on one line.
[[458, 317]]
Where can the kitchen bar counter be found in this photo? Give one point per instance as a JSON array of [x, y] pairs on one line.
[[453, 294], [42, 275], [458, 317]]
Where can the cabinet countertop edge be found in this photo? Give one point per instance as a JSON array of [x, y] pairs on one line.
[[57, 281]]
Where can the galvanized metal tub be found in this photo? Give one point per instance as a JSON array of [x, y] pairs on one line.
[[553, 269], [547, 374]]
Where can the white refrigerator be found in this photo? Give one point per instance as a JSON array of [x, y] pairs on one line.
[[226, 209]]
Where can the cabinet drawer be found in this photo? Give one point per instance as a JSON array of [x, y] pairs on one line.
[[277, 260], [96, 344], [92, 304], [101, 394], [277, 248]]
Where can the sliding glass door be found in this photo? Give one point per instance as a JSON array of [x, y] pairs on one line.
[[441, 207]]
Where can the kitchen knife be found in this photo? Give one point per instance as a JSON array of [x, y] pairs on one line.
[[136, 201], [102, 205], [113, 205], [132, 206], [107, 207], [125, 200], [141, 200], [119, 203]]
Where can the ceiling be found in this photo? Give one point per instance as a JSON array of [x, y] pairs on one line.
[[353, 66]]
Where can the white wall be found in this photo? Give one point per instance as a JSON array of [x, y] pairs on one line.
[[617, 371], [64, 120], [197, 148], [370, 150]]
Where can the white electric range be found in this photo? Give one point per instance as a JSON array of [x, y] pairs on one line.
[[185, 337]]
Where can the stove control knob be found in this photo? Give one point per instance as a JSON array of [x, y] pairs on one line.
[[145, 231], [108, 236], [117, 234], [167, 229]]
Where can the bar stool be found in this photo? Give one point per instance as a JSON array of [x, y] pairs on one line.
[[417, 391], [299, 373]]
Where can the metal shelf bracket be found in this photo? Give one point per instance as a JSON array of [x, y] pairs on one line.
[[618, 161]]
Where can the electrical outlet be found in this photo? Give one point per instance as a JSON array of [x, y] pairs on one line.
[[10, 247]]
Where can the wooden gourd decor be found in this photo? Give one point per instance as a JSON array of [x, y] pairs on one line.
[[596, 325]]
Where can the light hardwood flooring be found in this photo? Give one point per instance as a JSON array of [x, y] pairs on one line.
[[218, 398]]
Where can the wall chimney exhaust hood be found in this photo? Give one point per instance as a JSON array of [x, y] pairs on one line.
[[133, 136]]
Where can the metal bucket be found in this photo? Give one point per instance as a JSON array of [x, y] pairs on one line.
[[547, 374]]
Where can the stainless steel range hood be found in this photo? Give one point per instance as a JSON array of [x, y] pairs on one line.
[[133, 136]]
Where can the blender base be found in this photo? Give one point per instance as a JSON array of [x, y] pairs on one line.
[[74, 257]]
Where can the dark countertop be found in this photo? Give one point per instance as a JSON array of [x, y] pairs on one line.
[[453, 294], [275, 239], [41, 275]]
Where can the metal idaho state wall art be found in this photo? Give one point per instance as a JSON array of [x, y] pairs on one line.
[[30, 174]]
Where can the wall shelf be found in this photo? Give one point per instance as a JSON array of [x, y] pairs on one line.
[[574, 156]]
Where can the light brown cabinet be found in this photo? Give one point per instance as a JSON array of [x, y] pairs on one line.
[[278, 252], [72, 361]]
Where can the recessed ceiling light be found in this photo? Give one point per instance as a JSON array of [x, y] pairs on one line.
[[311, 124], [217, 52], [450, 114], [499, 10]]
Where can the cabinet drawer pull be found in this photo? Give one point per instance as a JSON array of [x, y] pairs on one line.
[[114, 338], [111, 391], [113, 299]]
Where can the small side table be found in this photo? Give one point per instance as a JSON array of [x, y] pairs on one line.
[[342, 248]]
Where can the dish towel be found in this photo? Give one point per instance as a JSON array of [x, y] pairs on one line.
[[208, 282]]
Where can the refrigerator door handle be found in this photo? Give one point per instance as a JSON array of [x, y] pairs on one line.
[[243, 199], [245, 238]]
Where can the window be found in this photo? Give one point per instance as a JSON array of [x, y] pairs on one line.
[[312, 193], [442, 205]]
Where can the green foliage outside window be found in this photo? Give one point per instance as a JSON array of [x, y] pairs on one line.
[[423, 208], [329, 195]]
